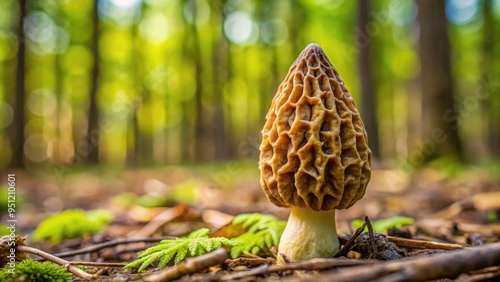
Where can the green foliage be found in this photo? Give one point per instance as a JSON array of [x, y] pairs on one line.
[[34, 271], [195, 244], [72, 224], [262, 231], [383, 225]]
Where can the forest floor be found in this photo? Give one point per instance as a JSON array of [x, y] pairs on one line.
[[455, 235]]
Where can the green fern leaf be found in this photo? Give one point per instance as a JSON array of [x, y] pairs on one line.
[[181, 254], [194, 244], [263, 231]]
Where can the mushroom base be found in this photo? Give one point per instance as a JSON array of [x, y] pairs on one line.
[[309, 234]]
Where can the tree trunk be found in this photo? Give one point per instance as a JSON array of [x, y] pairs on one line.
[[17, 126], [492, 102], [93, 137], [368, 92], [221, 75], [439, 119]]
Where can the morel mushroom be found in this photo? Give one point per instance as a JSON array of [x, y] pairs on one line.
[[314, 155]]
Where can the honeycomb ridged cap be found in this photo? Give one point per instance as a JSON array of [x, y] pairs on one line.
[[314, 150]]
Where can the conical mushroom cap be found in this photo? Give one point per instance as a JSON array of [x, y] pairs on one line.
[[314, 150]]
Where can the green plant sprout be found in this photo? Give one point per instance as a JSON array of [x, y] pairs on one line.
[[195, 244], [385, 224], [72, 224], [262, 231], [33, 271]]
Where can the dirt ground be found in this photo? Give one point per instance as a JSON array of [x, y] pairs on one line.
[[453, 209]]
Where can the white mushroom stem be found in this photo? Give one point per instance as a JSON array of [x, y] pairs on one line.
[[309, 234]]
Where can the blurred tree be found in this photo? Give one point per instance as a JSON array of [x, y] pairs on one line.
[[221, 66], [200, 152], [18, 123], [93, 136], [492, 102], [368, 89], [142, 142], [440, 135]]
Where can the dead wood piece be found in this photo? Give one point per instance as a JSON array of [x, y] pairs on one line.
[[480, 202], [249, 262], [76, 271], [447, 265], [263, 269], [113, 243], [190, 265], [157, 222], [313, 264], [487, 274], [445, 229], [98, 264], [421, 244], [347, 245]]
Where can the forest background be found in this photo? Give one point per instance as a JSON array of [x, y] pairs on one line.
[[131, 83]]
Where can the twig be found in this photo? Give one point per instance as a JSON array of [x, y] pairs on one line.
[[443, 265], [413, 243], [313, 264], [421, 244], [190, 265], [113, 243], [157, 222], [347, 246], [263, 269], [480, 202], [372, 238], [100, 264], [76, 271]]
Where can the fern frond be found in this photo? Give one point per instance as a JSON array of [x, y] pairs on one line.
[[263, 231], [194, 244]]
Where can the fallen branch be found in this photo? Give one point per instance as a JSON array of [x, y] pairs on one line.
[[189, 266], [444, 265], [113, 243], [313, 264], [76, 271], [422, 244], [413, 243]]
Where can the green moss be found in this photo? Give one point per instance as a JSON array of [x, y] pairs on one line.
[[71, 224], [33, 271]]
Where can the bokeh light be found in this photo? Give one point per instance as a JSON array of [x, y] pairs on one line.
[[41, 102], [240, 28], [154, 28], [461, 11], [197, 11], [6, 115], [38, 147]]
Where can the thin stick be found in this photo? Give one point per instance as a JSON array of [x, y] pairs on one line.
[[190, 265], [76, 271], [422, 244], [347, 246], [313, 264], [413, 243], [438, 266], [372, 238], [113, 243], [100, 264]]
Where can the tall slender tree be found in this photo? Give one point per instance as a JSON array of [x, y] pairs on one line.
[[93, 136], [368, 90], [221, 73], [492, 102], [440, 127], [17, 125]]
